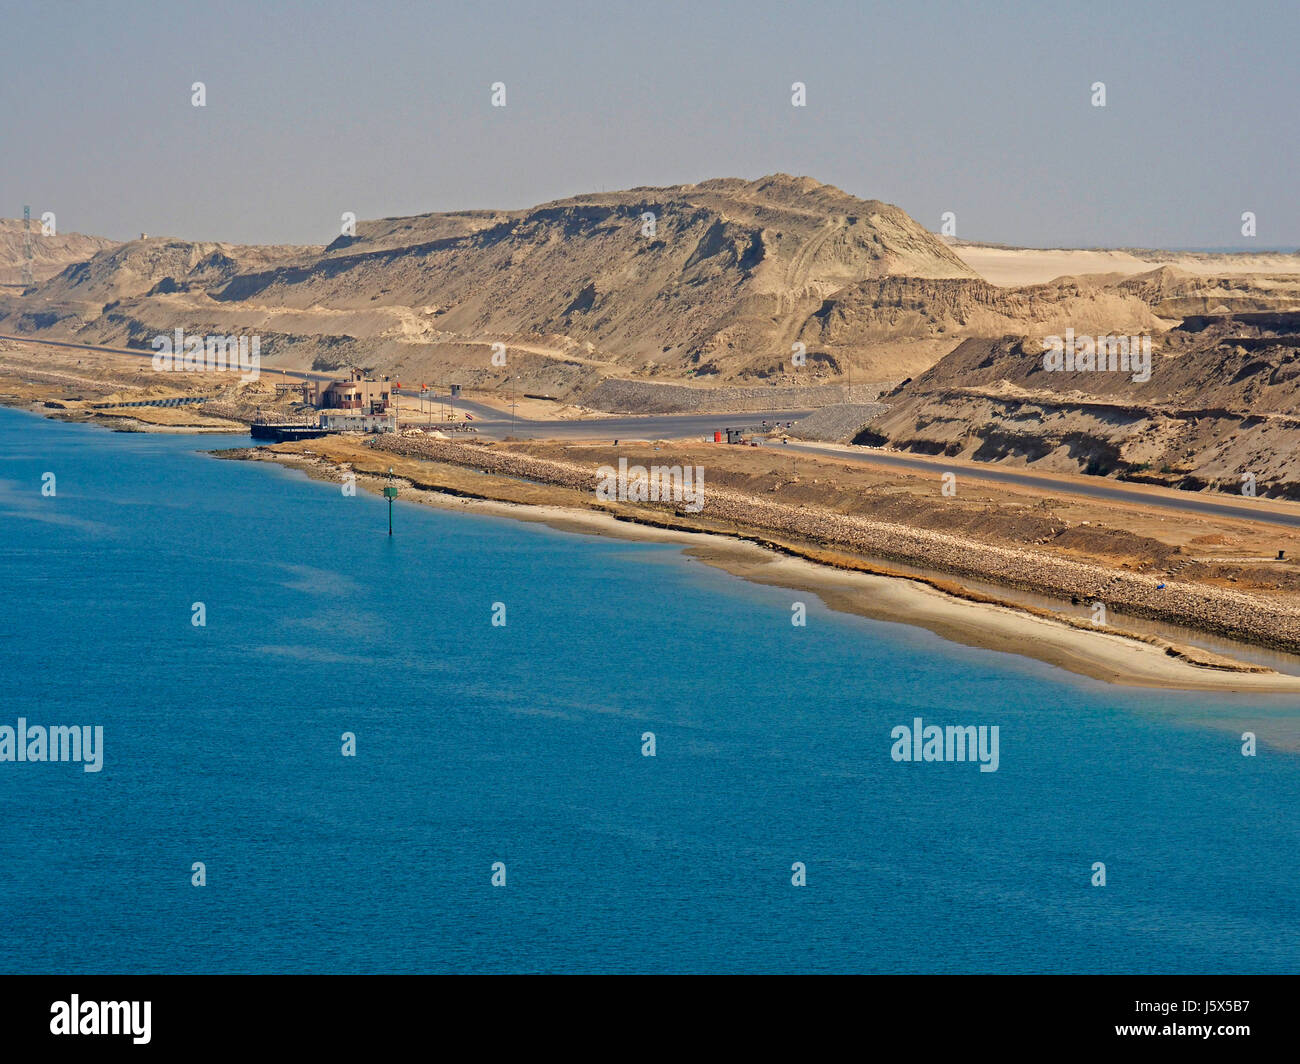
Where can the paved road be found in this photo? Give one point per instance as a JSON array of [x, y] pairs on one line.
[[496, 424], [1153, 498], [273, 373], [626, 427]]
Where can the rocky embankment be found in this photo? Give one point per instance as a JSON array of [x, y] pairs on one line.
[[837, 424], [1214, 610], [1215, 408], [619, 396]]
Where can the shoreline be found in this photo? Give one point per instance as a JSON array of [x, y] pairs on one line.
[[964, 617], [844, 582]]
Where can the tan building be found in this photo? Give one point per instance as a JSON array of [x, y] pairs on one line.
[[358, 393]]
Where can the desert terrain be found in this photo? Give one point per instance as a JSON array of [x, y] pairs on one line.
[[734, 298]]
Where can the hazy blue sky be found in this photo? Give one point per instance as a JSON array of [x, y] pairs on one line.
[[384, 109]]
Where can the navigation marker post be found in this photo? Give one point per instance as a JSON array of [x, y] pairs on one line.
[[390, 493]]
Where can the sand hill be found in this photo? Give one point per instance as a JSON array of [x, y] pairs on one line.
[[50, 254], [708, 285], [1013, 266], [718, 286]]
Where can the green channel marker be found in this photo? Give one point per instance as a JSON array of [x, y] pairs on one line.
[[390, 493]]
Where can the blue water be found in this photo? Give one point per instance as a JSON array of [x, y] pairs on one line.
[[521, 744]]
